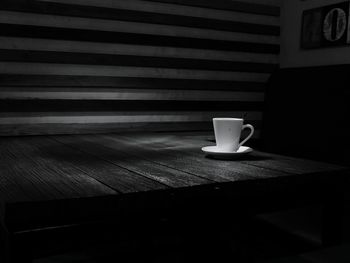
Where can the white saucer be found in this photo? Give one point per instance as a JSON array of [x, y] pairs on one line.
[[216, 152]]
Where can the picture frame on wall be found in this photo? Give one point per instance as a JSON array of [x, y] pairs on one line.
[[326, 26]]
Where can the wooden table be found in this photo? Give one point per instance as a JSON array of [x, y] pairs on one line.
[[50, 183]]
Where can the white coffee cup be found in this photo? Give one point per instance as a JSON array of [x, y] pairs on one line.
[[228, 133]]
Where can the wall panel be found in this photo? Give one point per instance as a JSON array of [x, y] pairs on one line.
[[100, 66]]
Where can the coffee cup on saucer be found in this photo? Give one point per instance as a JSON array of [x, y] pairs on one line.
[[228, 135]]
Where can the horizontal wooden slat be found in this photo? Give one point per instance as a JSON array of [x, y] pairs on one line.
[[126, 94], [135, 106], [243, 6], [73, 128], [136, 16], [84, 122], [20, 18], [125, 105], [264, 2], [168, 8], [53, 81], [136, 50], [116, 117], [135, 61], [131, 38], [119, 71]]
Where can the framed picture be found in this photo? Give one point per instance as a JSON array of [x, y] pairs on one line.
[[325, 26]]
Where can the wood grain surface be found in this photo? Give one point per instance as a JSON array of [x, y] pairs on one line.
[[36, 169], [63, 185]]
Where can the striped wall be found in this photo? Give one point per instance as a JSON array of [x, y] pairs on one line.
[[81, 66]]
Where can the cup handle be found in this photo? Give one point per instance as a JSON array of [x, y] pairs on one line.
[[250, 135]]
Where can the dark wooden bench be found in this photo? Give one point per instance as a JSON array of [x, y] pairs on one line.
[[306, 115]]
